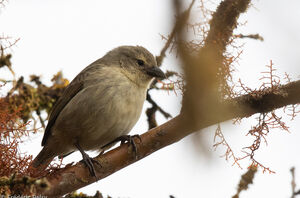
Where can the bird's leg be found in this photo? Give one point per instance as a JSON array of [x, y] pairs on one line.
[[123, 139], [88, 161]]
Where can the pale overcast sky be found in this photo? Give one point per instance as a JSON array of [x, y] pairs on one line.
[[68, 35]]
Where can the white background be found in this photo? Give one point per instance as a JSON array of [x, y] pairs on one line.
[[68, 35]]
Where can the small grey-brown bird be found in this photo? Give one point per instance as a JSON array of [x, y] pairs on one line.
[[102, 103]]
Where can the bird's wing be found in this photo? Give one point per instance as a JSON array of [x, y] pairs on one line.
[[73, 88]]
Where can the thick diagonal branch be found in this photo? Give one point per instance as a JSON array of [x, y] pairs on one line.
[[77, 176], [206, 74]]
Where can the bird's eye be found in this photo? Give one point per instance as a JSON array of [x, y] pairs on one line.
[[140, 62]]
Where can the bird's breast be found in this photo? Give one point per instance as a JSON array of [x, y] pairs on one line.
[[111, 113]]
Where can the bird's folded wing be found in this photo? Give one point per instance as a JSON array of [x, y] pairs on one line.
[[72, 89]]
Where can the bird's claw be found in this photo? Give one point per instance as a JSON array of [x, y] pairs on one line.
[[124, 139], [89, 162], [130, 140]]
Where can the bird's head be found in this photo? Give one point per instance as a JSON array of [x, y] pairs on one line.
[[137, 63]]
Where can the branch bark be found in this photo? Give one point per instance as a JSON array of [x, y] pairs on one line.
[[77, 176]]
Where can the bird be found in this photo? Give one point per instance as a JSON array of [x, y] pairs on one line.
[[101, 104]]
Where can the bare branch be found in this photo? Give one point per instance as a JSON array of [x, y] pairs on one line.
[[150, 112]]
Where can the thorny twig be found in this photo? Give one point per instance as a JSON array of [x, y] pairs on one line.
[[222, 141], [266, 120]]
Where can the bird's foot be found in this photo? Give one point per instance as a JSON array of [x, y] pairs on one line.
[[126, 138], [88, 161], [130, 140]]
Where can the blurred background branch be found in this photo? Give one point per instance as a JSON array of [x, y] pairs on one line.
[[245, 181]]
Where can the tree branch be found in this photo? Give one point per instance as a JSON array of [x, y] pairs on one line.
[[77, 176]]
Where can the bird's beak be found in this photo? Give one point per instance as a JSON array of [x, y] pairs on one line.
[[155, 72]]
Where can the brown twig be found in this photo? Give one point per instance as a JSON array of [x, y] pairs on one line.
[[219, 139], [150, 112]]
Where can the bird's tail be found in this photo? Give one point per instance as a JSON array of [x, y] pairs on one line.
[[40, 162]]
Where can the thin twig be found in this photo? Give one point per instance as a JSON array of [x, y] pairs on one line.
[[152, 110]]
